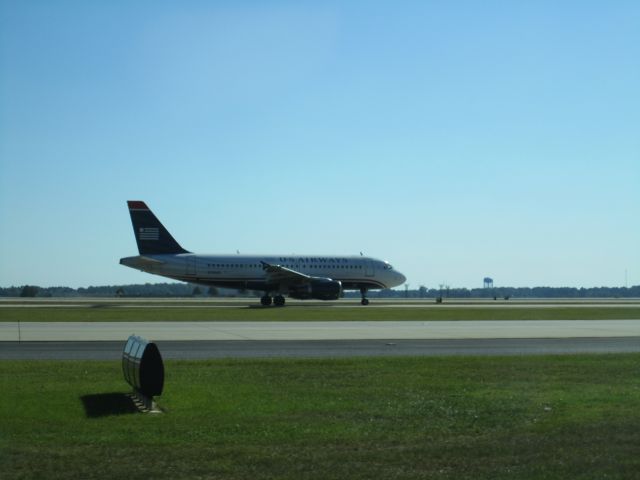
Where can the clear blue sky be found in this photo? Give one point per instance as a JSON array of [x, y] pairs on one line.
[[455, 139]]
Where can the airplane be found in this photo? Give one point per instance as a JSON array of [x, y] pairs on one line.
[[319, 277]]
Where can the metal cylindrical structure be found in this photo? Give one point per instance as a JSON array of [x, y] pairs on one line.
[[142, 366]]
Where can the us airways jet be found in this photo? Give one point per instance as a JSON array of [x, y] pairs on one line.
[[298, 276]]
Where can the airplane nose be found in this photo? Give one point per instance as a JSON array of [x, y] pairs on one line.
[[401, 278]]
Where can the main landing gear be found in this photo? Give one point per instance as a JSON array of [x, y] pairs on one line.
[[278, 301], [365, 300], [266, 301]]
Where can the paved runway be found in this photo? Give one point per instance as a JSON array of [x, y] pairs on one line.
[[399, 330], [322, 348], [221, 302], [104, 340]]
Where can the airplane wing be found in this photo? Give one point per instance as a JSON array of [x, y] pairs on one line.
[[283, 275], [300, 285]]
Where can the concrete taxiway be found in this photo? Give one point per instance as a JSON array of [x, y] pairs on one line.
[[308, 331], [322, 348], [217, 339]]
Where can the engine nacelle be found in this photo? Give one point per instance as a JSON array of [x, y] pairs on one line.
[[318, 288]]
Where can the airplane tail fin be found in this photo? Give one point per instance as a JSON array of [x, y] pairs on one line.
[[151, 236]]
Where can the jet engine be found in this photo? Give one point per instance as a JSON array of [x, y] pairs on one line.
[[318, 288]]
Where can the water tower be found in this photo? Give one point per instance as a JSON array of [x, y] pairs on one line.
[[488, 282]]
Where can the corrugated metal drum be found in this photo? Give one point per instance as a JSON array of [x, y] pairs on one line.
[[142, 366]]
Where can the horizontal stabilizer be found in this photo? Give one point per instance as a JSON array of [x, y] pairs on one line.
[[140, 262]]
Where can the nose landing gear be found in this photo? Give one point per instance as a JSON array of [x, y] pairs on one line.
[[365, 300]]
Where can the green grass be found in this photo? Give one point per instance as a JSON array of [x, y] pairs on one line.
[[105, 313], [456, 417]]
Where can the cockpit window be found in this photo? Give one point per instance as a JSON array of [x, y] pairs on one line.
[[387, 266]]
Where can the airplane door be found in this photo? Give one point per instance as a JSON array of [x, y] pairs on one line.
[[191, 265], [369, 270]]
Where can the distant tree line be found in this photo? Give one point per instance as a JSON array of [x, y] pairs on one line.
[[160, 290], [165, 290], [508, 292]]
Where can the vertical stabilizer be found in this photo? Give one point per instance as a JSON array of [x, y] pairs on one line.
[[151, 236]]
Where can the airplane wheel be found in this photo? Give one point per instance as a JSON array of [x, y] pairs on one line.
[[279, 301], [364, 301], [265, 301]]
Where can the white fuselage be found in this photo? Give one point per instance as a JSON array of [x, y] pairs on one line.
[[247, 271]]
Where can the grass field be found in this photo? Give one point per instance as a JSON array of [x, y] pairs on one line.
[[116, 313], [462, 418]]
